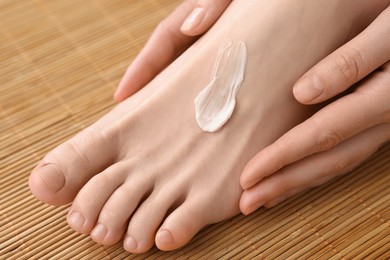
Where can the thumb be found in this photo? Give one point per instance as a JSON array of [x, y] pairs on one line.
[[348, 64], [163, 46]]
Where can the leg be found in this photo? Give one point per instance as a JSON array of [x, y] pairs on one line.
[[147, 170]]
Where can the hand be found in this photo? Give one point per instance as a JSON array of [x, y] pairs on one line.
[[339, 136], [171, 38]]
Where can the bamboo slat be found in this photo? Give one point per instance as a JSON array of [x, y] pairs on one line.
[[60, 62]]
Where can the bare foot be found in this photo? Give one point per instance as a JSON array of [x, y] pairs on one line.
[[147, 171]]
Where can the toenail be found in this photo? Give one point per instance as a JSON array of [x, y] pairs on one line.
[[76, 221], [99, 232], [164, 236], [130, 243], [52, 176]]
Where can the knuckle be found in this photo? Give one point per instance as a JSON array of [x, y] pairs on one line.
[[165, 27], [100, 178], [279, 185], [167, 31], [81, 154], [348, 63], [93, 134], [281, 149], [81, 143], [328, 139], [280, 145], [283, 187], [341, 165]]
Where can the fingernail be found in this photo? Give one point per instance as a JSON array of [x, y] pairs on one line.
[[76, 221], [52, 176], [193, 20], [254, 207], [308, 88], [130, 243], [99, 232], [164, 236]]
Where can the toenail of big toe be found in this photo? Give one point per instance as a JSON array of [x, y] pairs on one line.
[[76, 220], [130, 243], [164, 236], [52, 176], [99, 232]]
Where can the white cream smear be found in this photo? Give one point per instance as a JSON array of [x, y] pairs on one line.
[[215, 103]]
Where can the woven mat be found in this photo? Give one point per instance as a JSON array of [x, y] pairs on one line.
[[60, 63]]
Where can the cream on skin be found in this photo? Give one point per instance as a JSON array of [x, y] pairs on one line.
[[215, 103]]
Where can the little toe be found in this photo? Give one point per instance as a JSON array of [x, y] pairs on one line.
[[61, 174], [90, 200], [146, 220], [115, 215], [180, 227]]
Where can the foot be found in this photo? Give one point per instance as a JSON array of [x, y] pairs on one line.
[[146, 171]]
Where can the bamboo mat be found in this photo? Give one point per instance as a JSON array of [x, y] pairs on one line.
[[60, 63]]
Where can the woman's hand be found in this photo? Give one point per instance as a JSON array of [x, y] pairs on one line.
[[171, 38], [338, 137]]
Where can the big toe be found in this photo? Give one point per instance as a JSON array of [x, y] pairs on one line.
[[45, 181], [67, 168]]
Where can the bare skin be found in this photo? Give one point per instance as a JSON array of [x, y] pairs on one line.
[[147, 172]]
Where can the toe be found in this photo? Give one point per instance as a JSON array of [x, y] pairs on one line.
[[146, 220], [46, 181], [90, 200], [180, 226], [61, 174], [115, 215]]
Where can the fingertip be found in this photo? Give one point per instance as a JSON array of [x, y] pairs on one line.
[[244, 180], [245, 212], [116, 96], [203, 16], [246, 184], [249, 203], [136, 77], [244, 205], [122, 92], [193, 21], [296, 91], [308, 89], [248, 178], [123, 86]]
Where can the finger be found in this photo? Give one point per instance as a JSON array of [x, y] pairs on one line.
[[368, 106], [164, 45], [314, 170], [204, 15], [347, 65]]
